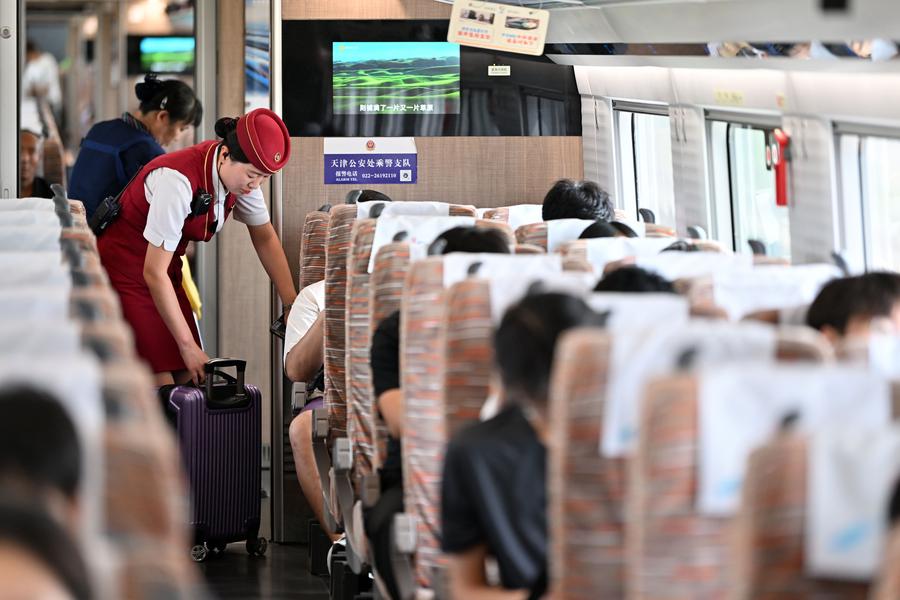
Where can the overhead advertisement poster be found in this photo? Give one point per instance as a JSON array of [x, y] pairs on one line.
[[498, 26], [370, 161], [396, 78]]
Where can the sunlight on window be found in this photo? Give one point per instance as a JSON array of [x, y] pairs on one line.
[[756, 216], [881, 197], [646, 167]]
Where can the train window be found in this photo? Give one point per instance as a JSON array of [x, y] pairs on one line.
[[744, 185], [645, 159], [880, 183]]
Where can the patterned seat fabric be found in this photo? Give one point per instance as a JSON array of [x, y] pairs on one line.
[[359, 374], [424, 431], [534, 234], [312, 248], [468, 352], [769, 529], [385, 297], [144, 497], [888, 585], [586, 490], [673, 550], [337, 252], [337, 257]]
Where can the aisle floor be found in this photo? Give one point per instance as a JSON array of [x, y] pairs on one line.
[[280, 574]]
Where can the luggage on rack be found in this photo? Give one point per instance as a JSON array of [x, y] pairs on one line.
[[218, 427]]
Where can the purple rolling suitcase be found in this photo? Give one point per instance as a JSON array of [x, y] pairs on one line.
[[219, 432]]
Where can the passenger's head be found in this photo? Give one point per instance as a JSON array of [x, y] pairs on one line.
[[254, 147], [32, 51], [169, 107], [681, 246], [602, 229], [357, 196], [40, 453], [569, 199], [29, 157], [470, 239], [847, 307], [634, 279], [525, 342], [38, 558]]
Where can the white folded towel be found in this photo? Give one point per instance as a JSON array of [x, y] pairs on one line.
[[421, 231], [409, 208], [639, 355], [852, 472], [637, 310], [742, 406], [560, 231]]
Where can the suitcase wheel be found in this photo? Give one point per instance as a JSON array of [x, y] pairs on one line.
[[199, 553], [218, 549], [257, 547]]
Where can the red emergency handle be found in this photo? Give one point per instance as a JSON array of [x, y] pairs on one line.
[[780, 157]]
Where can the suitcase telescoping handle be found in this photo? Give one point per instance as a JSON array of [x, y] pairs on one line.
[[214, 367]]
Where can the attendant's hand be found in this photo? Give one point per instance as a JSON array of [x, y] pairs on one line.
[[195, 360]]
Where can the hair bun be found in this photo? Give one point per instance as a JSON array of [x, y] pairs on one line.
[[225, 125], [148, 88]]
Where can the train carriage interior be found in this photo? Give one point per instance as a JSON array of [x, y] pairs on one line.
[[450, 299]]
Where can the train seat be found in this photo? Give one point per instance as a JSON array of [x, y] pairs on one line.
[[682, 501]]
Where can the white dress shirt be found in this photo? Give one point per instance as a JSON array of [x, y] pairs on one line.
[[169, 194]]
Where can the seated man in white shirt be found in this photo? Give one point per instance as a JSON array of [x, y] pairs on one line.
[[304, 350]]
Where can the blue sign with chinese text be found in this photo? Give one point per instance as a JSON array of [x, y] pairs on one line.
[[370, 161]]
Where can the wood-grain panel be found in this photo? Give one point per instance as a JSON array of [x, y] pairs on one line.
[[361, 9], [484, 171]]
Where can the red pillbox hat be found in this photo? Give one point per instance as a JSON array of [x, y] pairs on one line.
[[264, 139]]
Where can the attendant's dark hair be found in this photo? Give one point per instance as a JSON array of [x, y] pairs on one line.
[[470, 239], [525, 341], [869, 295], [170, 95], [634, 279], [33, 531], [38, 441], [585, 199], [226, 128], [602, 229]]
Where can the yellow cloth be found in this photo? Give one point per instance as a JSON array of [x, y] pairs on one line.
[[190, 288]]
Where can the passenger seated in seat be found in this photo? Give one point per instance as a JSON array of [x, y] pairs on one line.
[[304, 355], [494, 497], [634, 279], [846, 309], [602, 229], [385, 361], [38, 558], [40, 453], [30, 185], [584, 199]]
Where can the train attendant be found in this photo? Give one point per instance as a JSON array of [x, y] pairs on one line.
[[187, 196], [113, 151]]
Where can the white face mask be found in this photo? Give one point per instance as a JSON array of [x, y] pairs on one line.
[[883, 348]]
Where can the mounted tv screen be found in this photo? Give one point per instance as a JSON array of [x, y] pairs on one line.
[[395, 78], [160, 54], [402, 78]]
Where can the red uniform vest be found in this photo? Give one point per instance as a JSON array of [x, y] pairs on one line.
[[123, 248]]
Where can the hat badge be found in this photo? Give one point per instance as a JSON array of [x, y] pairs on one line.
[[277, 156]]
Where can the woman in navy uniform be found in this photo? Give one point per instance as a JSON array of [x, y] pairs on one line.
[[187, 196], [113, 151]]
